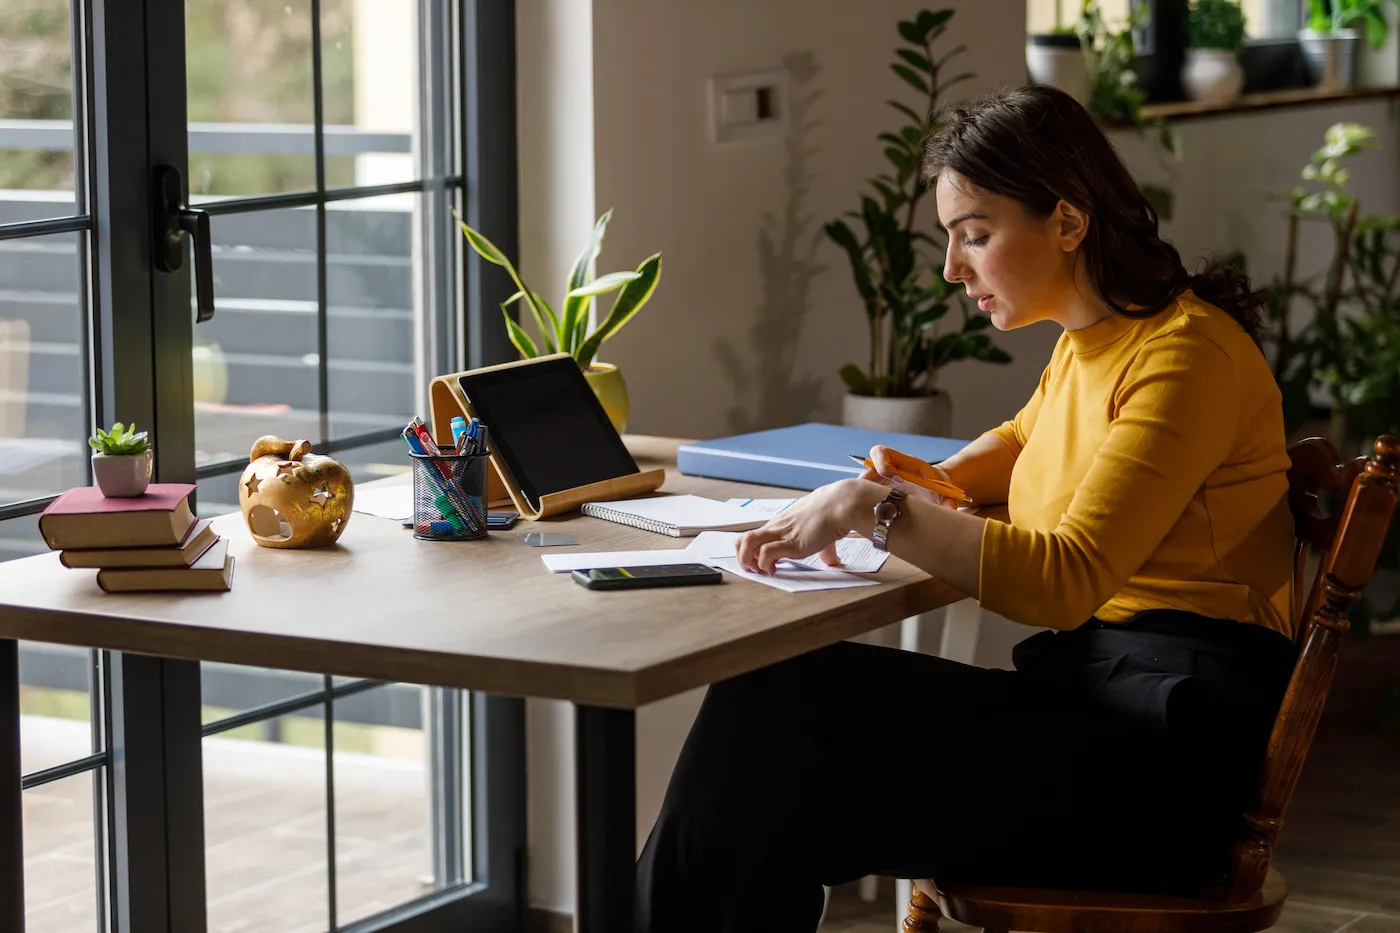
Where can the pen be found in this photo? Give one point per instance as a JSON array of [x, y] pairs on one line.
[[932, 485]]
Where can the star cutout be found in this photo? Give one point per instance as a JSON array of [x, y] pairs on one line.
[[252, 485], [321, 496], [285, 467]]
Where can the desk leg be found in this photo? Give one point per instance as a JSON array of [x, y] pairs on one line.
[[11, 797], [605, 777]]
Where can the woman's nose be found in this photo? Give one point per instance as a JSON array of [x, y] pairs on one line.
[[954, 269]]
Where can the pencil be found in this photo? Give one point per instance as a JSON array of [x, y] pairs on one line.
[[932, 485]]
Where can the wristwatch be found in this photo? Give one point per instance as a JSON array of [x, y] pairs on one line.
[[885, 514]]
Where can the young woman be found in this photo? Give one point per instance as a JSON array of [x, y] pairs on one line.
[[1148, 533]]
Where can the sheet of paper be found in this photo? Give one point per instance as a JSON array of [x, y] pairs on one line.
[[386, 501], [793, 580], [763, 508], [856, 553], [563, 563]]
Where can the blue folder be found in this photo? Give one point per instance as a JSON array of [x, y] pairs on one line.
[[804, 456]]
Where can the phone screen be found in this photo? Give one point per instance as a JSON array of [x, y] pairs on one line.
[[650, 573]]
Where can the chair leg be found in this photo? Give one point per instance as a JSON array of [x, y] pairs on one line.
[[923, 914]]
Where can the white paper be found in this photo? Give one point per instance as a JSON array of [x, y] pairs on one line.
[[857, 554], [563, 563], [386, 501], [764, 508], [793, 580]]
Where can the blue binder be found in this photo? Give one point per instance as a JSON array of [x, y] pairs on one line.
[[804, 456]]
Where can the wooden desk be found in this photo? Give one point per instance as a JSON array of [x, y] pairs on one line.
[[484, 616]]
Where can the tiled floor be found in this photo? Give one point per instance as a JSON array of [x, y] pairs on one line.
[[1340, 848]]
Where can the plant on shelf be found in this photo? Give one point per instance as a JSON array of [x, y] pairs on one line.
[[1334, 16], [898, 278], [568, 331], [121, 460], [1331, 42], [1215, 35]]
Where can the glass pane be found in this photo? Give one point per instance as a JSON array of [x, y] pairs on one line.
[[54, 723], [60, 868], [250, 105], [43, 447], [265, 827], [36, 111], [232, 688], [373, 263], [369, 63], [255, 363], [383, 801]]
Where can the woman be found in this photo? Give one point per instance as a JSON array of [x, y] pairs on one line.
[[1149, 533]]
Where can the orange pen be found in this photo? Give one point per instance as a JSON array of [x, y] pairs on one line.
[[932, 485]]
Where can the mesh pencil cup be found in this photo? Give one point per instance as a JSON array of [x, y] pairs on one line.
[[449, 496]]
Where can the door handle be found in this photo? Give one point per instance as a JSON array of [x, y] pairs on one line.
[[174, 220]]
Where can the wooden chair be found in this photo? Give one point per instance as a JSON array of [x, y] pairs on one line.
[[1252, 896]]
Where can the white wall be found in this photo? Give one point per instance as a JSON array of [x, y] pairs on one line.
[[689, 358]]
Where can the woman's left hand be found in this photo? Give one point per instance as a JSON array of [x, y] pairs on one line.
[[811, 525]]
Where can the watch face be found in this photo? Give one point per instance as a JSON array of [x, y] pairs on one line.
[[886, 511]]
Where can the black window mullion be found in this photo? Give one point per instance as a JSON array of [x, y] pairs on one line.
[[328, 693], [322, 323]]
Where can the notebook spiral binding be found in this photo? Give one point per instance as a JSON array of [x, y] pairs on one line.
[[593, 510]]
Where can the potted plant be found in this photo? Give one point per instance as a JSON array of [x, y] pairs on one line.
[[1055, 58], [1331, 39], [896, 272], [121, 461], [569, 331], [1215, 35]]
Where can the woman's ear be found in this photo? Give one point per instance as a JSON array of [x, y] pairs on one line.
[[1071, 225]]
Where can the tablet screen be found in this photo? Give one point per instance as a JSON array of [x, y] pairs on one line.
[[547, 426]]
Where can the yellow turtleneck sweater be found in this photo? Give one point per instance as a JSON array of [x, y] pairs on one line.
[[1150, 473]]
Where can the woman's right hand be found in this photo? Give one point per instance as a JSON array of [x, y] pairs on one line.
[[887, 461]]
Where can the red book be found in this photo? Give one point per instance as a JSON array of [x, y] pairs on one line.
[[84, 518]]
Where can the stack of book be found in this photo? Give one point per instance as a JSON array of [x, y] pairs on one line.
[[149, 542]]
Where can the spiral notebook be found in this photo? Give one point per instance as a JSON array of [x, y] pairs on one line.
[[677, 516]]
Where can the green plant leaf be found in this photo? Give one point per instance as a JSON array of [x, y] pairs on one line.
[[634, 295], [901, 160], [94, 443], [893, 140], [604, 284], [911, 77], [949, 56], [523, 344], [915, 59], [911, 32], [930, 21], [856, 380], [579, 275], [908, 112], [840, 234], [488, 251], [547, 335]]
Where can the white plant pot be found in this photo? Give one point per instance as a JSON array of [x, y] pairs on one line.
[[1331, 57], [931, 415], [1059, 62], [1212, 76], [124, 476]]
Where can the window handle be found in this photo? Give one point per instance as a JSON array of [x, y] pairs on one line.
[[174, 219]]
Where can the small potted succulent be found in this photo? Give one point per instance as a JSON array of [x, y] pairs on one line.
[[1215, 32], [121, 461]]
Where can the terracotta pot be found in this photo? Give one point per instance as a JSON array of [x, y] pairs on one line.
[[121, 476], [608, 385], [930, 415]]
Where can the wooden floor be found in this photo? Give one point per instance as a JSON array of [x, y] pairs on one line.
[[266, 849], [1340, 849]]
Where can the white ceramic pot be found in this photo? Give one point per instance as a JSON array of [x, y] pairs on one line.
[[1331, 57], [1212, 76], [123, 476], [931, 415], [1057, 60]]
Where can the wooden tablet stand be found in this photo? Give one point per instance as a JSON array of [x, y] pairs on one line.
[[446, 400]]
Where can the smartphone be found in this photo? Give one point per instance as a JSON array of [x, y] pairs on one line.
[[626, 578], [500, 521]]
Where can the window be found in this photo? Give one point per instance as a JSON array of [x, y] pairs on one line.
[[1263, 18], [327, 140]]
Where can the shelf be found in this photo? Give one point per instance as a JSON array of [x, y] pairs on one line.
[[1177, 111]]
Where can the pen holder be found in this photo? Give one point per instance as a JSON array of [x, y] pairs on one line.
[[449, 496]]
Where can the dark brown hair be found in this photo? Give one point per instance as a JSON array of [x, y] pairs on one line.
[[1038, 146]]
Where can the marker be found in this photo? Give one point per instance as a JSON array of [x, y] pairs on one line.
[[459, 427], [947, 490]]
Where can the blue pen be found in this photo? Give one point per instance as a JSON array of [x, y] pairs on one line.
[[459, 427]]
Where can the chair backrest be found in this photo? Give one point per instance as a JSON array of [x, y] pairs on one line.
[[1350, 541]]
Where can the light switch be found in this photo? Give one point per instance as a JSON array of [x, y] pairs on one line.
[[748, 106]]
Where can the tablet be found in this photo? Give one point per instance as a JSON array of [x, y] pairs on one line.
[[547, 427]]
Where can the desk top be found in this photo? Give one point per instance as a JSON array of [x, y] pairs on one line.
[[482, 615]]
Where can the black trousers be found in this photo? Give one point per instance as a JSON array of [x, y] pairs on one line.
[[1114, 756]]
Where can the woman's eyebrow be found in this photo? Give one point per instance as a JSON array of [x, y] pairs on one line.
[[970, 215]]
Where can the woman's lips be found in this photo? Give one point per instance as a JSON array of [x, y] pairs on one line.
[[984, 302]]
